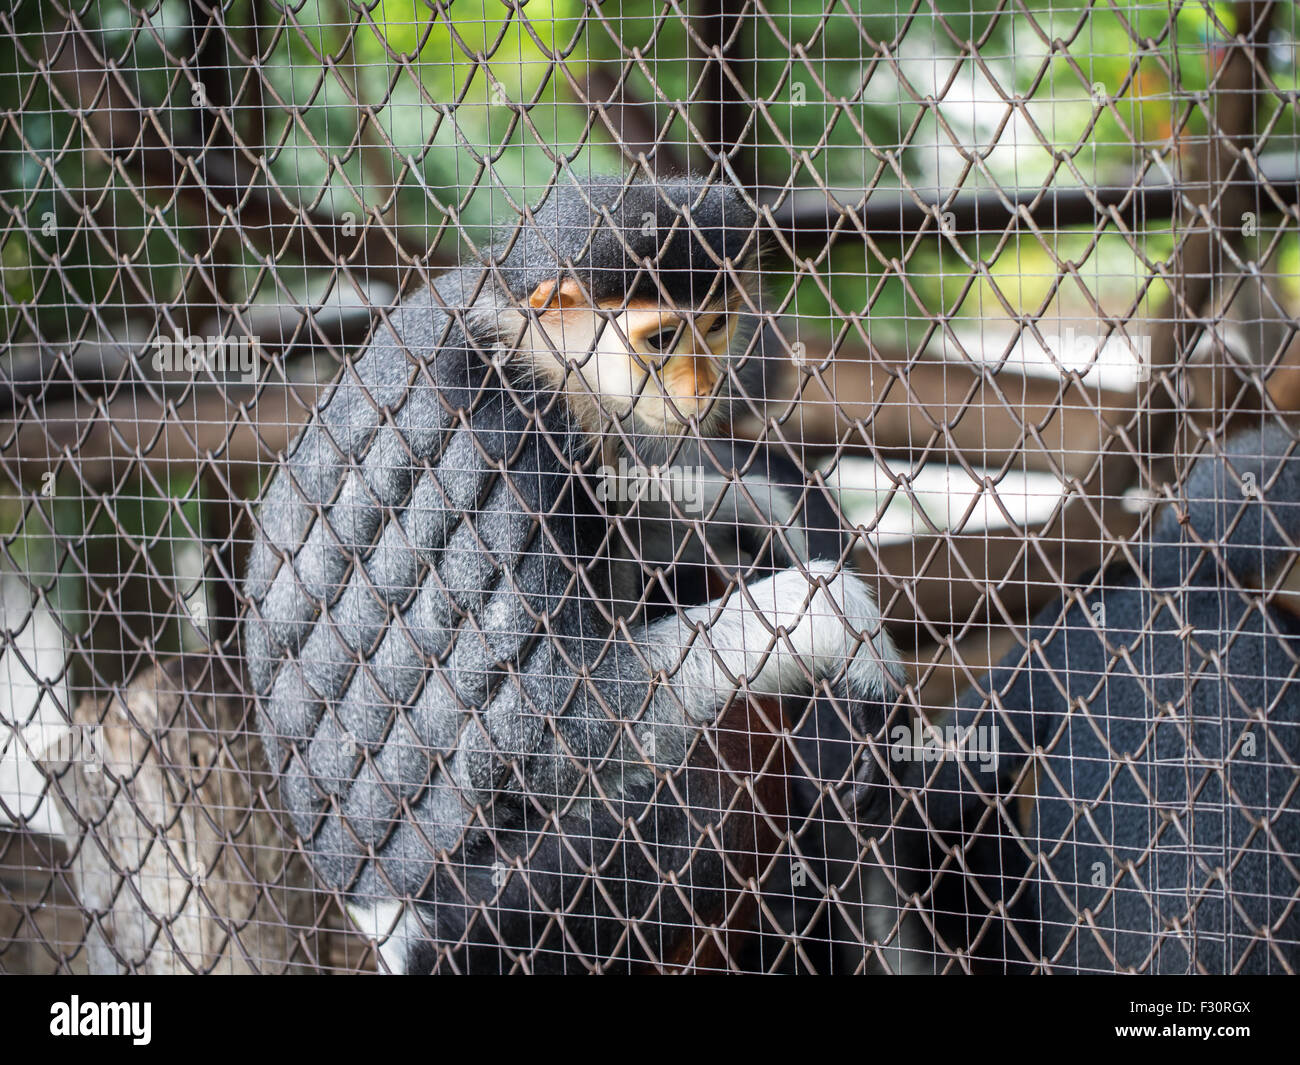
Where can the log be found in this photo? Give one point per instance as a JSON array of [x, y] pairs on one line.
[[932, 410], [229, 431], [175, 841]]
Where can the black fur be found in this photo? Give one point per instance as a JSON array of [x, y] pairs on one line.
[[1168, 795], [635, 239], [778, 519]]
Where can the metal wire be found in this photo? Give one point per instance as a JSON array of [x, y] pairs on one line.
[[1027, 268]]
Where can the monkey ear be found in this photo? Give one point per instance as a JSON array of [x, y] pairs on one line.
[[549, 296]]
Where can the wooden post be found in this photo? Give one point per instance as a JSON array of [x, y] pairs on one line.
[[718, 26]]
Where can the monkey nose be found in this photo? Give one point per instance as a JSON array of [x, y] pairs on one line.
[[690, 374]]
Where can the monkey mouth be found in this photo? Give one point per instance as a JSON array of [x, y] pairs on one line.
[[680, 388]]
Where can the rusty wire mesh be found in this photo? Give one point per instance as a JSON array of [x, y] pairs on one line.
[[1024, 267]]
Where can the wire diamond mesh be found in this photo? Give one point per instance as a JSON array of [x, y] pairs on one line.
[[896, 575]]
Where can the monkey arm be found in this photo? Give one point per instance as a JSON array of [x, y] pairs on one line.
[[594, 757], [780, 636]]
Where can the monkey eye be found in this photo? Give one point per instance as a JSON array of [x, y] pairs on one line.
[[662, 340], [719, 324]]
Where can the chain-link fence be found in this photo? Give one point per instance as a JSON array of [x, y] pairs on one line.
[[439, 534]]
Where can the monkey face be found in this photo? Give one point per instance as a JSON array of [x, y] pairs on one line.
[[657, 367]]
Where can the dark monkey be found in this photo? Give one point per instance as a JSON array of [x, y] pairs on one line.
[[496, 765], [1165, 826]]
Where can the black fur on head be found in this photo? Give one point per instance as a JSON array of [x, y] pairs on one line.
[[669, 237]]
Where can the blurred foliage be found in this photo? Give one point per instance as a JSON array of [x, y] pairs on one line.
[[473, 107]]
